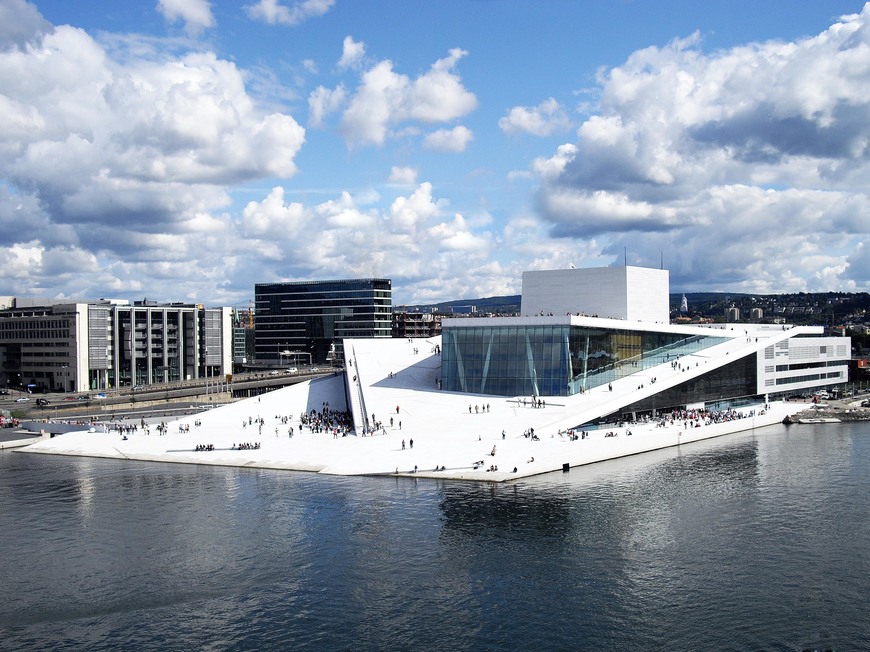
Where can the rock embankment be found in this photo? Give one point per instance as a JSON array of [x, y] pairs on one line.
[[834, 410]]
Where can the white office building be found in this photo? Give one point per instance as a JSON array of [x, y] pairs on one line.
[[103, 344]]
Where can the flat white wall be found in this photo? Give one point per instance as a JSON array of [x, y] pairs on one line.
[[648, 294], [634, 293]]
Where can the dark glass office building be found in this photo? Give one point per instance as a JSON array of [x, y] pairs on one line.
[[306, 321]]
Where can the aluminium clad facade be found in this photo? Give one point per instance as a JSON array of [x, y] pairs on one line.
[[632, 293]]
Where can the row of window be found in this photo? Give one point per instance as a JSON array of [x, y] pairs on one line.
[[15, 324], [809, 378], [809, 365], [34, 335]]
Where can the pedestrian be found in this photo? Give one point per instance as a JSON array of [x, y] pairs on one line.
[[403, 444], [412, 443]]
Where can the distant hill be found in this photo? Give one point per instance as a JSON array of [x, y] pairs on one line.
[[800, 307], [500, 305], [511, 304]]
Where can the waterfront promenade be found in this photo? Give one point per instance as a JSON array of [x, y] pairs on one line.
[[425, 431]]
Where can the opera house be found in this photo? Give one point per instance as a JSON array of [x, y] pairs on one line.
[[592, 370]]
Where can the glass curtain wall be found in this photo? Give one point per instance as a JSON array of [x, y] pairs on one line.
[[553, 360]]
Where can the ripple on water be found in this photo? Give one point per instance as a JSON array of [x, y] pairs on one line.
[[754, 541]]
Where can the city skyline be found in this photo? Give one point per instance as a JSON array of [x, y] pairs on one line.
[[185, 150]]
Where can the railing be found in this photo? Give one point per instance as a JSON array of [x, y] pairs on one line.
[[360, 415]]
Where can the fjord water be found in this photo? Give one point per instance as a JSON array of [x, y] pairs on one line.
[[754, 541]]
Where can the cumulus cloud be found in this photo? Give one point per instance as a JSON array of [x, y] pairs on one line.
[[410, 240], [858, 264], [352, 52], [20, 22], [274, 12], [195, 14], [546, 119], [127, 159], [718, 153], [449, 140], [132, 165], [322, 101], [273, 218], [456, 236], [403, 175], [407, 213], [385, 98]]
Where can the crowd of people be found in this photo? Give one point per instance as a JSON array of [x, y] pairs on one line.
[[123, 429], [338, 422], [699, 417]]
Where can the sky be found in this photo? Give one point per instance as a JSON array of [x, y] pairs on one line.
[[184, 150]]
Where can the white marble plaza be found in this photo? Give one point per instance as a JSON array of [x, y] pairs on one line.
[[397, 380]]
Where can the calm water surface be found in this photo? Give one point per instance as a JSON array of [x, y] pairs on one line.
[[751, 542]]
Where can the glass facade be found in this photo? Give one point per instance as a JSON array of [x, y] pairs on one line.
[[553, 359], [313, 317], [717, 389]]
